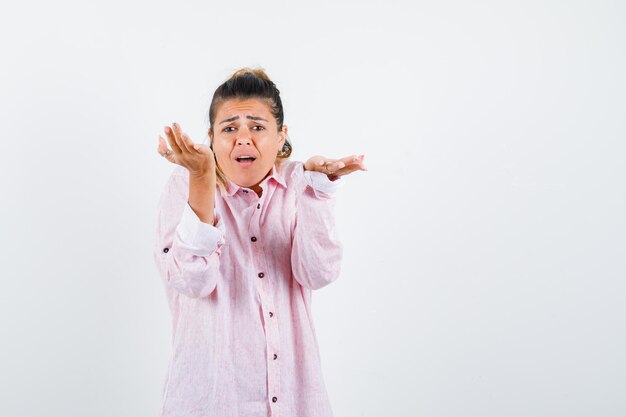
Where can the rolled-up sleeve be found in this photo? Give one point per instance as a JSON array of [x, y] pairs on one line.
[[316, 249], [320, 182], [187, 250]]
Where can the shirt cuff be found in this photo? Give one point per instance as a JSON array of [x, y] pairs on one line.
[[199, 238], [319, 181]]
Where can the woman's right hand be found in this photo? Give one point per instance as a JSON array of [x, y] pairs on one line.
[[197, 158]]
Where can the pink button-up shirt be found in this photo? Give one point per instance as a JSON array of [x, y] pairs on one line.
[[243, 339]]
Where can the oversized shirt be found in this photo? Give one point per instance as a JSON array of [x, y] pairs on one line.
[[239, 292]]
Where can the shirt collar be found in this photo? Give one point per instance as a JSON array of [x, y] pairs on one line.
[[276, 174]]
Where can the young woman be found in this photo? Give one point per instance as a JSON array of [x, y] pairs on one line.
[[243, 236]]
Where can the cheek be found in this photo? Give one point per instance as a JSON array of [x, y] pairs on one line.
[[221, 153], [270, 147]]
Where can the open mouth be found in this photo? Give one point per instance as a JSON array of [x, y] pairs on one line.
[[245, 160]]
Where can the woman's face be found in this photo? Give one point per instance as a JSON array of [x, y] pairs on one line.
[[246, 128]]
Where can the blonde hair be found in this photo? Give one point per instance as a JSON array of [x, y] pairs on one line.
[[243, 84]]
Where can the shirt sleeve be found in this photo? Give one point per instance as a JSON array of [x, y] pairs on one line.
[[187, 250], [316, 251], [321, 182]]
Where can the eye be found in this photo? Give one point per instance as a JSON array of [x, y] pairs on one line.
[[231, 127]]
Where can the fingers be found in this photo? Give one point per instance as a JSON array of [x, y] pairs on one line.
[[169, 134], [348, 170], [162, 146], [183, 139], [164, 151], [333, 166], [179, 141], [314, 163], [184, 152], [336, 167], [351, 163], [352, 159], [178, 137], [326, 165], [348, 159]]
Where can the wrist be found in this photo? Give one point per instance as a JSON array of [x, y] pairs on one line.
[[205, 176]]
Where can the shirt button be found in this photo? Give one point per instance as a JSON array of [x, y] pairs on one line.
[[274, 399], [271, 314], [166, 250], [245, 191], [261, 274], [253, 238], [275, 356], [258, 206]]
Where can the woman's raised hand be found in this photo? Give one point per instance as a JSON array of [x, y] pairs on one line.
[[197, 158], [335, 168]]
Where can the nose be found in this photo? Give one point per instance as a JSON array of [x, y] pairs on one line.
[[245, 140]]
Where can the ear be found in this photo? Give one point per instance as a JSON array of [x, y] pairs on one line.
[[281, 137]]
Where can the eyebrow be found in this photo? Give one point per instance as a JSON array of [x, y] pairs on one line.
[[247, 117]]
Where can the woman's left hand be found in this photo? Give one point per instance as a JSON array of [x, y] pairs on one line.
[[335, 168]]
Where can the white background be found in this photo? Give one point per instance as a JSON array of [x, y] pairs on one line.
[[484, 267]]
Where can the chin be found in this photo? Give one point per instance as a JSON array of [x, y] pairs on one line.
[[247, 177], [255, 177], [247, 180]]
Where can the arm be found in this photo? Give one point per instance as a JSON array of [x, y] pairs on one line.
[[316, 251], [187, 250], [202, 196]]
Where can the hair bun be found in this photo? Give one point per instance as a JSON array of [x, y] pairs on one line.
[[259, 72]]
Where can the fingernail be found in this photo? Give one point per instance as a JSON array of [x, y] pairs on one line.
[[167, 129], [175, 125]]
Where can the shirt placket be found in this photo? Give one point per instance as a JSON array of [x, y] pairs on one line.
[[263, 280]]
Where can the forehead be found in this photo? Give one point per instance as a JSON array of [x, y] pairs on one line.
[[252, 107]]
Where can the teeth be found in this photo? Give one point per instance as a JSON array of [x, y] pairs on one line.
[[244, 157]]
